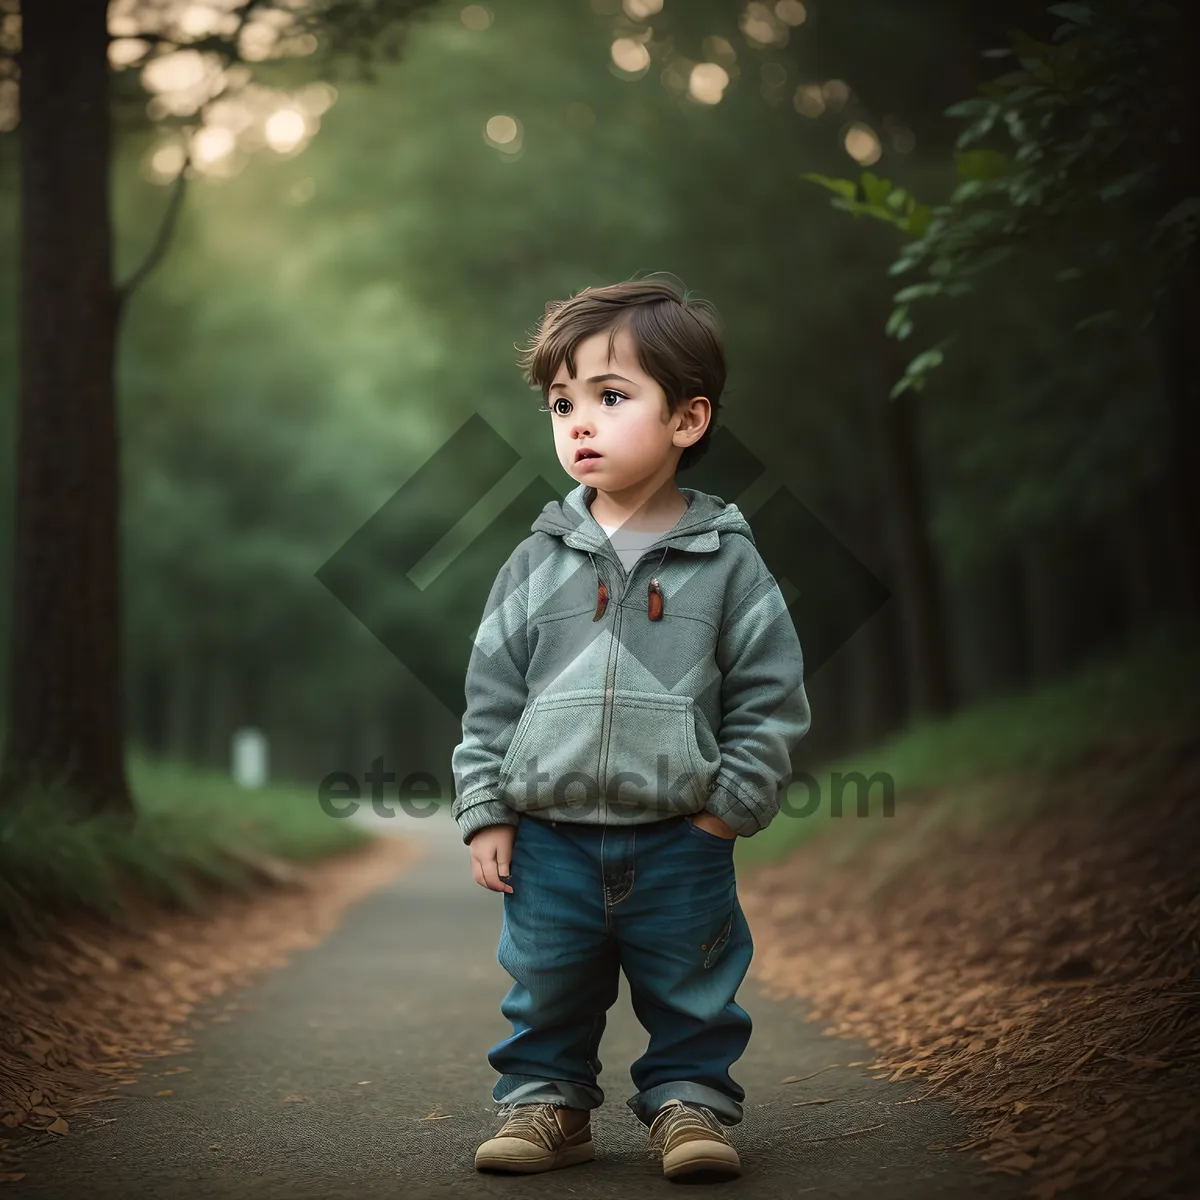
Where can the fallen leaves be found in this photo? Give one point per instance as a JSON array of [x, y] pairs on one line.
[[43, 1119], [1042, 975]]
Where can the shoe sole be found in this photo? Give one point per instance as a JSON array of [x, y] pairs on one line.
[[569, 1156], [702, 1170]]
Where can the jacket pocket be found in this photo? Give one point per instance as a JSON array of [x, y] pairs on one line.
[[653, 761], [558, 740]]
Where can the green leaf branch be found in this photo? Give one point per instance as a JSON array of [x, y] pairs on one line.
[[1088, 129]]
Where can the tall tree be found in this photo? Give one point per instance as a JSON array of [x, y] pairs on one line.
[[64, 686], [66, 699]]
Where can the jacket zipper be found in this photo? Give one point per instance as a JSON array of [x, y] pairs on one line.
[[610, 682]]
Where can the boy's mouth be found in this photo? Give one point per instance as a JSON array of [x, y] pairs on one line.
[[583, 452]]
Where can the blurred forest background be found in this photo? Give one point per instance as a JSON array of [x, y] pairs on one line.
[[359, 248]]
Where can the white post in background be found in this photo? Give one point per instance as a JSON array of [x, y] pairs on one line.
[[249, 758]]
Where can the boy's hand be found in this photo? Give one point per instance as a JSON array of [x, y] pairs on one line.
[[713, 824], [491, 856]]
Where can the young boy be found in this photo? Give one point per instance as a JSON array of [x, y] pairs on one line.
[[633, 697]]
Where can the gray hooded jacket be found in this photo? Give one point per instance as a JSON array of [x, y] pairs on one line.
[[605, 698]]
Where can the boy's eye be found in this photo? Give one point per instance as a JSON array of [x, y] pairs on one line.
[[562, 412]]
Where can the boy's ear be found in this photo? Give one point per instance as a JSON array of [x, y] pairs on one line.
[[701, 415]]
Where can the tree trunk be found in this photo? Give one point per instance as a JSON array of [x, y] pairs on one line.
[[918, 587], [879, 679], [1177, 317], [827, 698], [179, 708], [220, 701], [1178, 333], [1136, 564], [1162, 547], [249, 697], [201, 709], [66, 711], [154, 709], [992, 628], [885, 676], [1043, 561]]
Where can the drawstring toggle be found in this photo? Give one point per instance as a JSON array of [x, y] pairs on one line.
[[601, 599], [655, 600]]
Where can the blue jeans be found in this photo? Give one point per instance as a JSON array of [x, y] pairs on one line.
[[657, 901]]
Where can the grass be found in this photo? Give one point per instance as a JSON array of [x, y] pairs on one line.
[[1143, 697], [191, 828]]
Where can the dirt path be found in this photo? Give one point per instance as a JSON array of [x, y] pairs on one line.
[[358, 1070]]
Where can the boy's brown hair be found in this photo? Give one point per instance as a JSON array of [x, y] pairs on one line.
[[678, 337]]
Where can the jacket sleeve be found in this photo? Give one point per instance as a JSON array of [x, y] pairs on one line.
[[764, 708], [496, 695]]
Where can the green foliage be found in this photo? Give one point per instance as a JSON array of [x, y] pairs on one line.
[[918, 368], [1091, 124], [871, 196], [191, 830]]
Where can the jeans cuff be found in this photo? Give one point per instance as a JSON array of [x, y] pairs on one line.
[[548, 1091], [646, 1104]]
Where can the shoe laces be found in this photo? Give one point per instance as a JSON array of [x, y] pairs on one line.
[[683, 1116], [537, 1119]]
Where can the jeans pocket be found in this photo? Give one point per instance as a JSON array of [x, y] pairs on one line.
[[705, 836]]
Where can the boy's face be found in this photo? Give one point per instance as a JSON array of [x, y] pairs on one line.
[[614, 408]]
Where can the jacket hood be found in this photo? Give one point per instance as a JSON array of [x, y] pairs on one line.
[[708, 517]]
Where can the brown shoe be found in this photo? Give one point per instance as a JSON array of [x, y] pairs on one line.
[[538, 1137], [692, 1143]]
